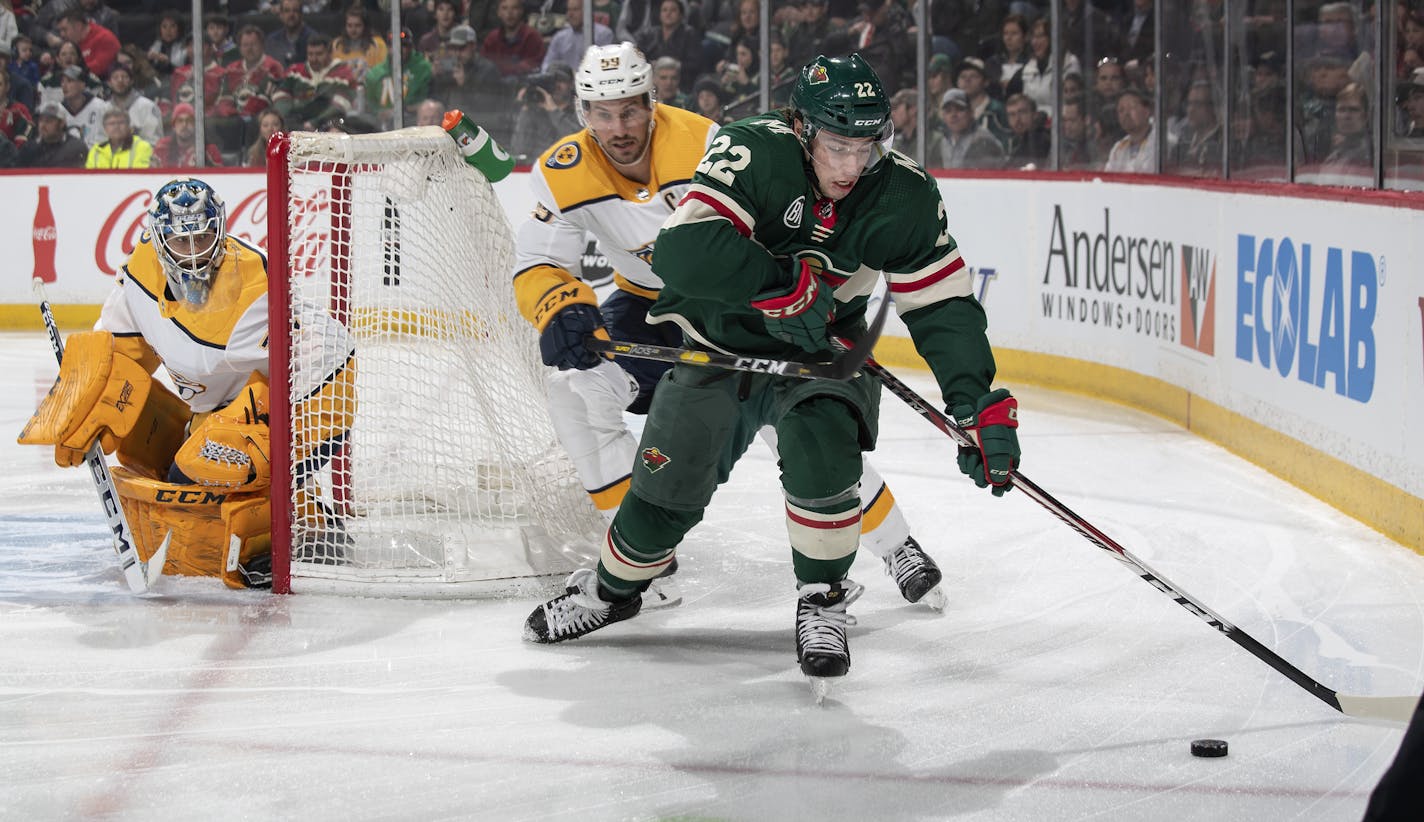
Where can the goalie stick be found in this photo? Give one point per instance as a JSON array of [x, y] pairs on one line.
[[842, 367], [1391, 708], [139, 575]]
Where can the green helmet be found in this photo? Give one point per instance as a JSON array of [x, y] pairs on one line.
[[842, 95]]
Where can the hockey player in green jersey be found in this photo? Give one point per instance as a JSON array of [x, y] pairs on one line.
[[791, 219]]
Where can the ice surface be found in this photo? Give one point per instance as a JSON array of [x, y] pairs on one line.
[[1055, 687]]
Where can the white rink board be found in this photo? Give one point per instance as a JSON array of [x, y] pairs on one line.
[[1159, 280]]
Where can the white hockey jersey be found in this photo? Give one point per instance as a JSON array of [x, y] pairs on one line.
[[578, 190]]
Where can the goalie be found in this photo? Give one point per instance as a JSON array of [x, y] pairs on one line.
[[195, 463]]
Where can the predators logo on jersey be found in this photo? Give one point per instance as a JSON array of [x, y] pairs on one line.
[[565, 156], [643, 252]]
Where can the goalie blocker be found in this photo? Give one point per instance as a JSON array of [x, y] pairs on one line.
[[220, 519]]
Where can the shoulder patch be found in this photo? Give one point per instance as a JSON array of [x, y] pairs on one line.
[[541, 213], [565, 156]]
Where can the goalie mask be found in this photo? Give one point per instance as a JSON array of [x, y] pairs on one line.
[[188, 224], [843, 96], [610, 73]]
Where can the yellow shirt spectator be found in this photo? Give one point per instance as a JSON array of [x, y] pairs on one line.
[[123, 149]]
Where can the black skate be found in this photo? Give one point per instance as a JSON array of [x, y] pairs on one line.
[[579, 610], [916, 574], [821, 622]]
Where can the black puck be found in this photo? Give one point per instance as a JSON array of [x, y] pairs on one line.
[[1209, 747]]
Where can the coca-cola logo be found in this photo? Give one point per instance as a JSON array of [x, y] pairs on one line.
[[46, 234], [248, 219], [121, 232]]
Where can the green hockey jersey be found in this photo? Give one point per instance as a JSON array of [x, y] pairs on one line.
[[752, 213]]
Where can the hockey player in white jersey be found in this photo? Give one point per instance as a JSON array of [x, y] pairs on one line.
[[192, 298], [619, 179]]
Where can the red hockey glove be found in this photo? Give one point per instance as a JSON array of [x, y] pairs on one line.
[[799, 316], [992, 422]]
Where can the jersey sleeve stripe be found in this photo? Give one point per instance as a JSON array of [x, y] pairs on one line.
[[927, 276], [723, 205]]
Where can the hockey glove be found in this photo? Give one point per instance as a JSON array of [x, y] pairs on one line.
[[992, 422], [799, 315], [561, 343]]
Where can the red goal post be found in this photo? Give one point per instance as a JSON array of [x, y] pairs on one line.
[[435, 471]]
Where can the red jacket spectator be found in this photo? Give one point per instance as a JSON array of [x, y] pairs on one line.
[[16, 121], [180, 149], [249, 83], [515, 47], [98, 45]]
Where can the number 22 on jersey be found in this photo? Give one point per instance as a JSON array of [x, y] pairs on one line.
[[732, 159]]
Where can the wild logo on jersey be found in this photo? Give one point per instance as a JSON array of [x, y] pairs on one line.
[[654, 460]]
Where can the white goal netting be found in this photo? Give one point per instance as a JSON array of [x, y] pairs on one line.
[[449, 479]]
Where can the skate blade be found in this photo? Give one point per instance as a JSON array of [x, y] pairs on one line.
[[935, 599], [663, 593], [820, 687]]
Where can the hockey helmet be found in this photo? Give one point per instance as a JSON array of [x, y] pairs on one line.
[[613, 72], [844, 96], [188, 225]]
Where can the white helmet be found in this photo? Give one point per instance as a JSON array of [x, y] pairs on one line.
[[613, 72]]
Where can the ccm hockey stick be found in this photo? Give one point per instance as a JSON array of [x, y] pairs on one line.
[[139, 575], [1392, 708], [842, 367]]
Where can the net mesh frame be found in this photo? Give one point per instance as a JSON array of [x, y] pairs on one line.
[[450, 480]]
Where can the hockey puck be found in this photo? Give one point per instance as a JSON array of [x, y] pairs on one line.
[[1209, 747]]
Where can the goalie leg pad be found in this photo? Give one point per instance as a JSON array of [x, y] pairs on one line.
[[149, 449], [247, 557], [99, 394]]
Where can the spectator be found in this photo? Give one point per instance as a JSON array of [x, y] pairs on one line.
[[171, 49], [247, 86], [1268, 70], [709, 98], [1411, 44], [473, 84], [22, 62], [99, 12], [805, 35], [381, 93], [145, 118], [9, 29], [288, 44], [566, 46], [1352, 146], [50, 89], [667, 81], [16, 122], [883, 38], [1087, 31], [122, 149], [939, 77], [1077, 150], [97, 45], [1136, 33], [52, 146], [269, 122], [21, 90], [1029, 139], [84, 111], [545, 115], [1197, 152], [218, 46], [739, 75], [1136, 152], [966, 144], [1013, 47], [606, 12], [317, 90], [1109, 80], [671, 36], [1038, 75], [515, 47], [905, 114], [446, 18], [429, 112], [180, 148], [634, 17], [1326, 75], [1411, 103], [973, 80], [783, 75], [358, 47]]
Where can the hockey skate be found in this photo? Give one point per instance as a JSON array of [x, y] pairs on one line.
[[821, 622], [916, 574], [663, 591], [579, 610]]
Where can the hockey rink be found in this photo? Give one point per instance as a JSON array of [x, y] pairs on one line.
[[1057, 685]]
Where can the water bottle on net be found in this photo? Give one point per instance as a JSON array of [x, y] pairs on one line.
[[478, 147]]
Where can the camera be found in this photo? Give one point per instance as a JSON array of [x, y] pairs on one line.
[[544, 82]]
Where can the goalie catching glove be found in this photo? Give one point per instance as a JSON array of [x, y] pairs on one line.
[[800, 315], [992, 423], [231, 448]]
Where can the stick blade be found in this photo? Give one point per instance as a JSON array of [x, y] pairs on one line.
[[1389, 708]]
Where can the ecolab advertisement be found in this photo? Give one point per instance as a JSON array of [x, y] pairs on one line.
[[1305, 315]]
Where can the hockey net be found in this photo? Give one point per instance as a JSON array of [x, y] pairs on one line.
[[448, 480]]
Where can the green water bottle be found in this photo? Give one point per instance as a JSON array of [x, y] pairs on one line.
[[479, 148]]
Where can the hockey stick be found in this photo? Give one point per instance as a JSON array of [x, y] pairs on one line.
[[1392, 708], [842, 367], [139, 575]]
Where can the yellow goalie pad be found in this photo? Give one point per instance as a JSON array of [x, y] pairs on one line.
[[99, 394], [216, 533], [231, 447], [324, 415]]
